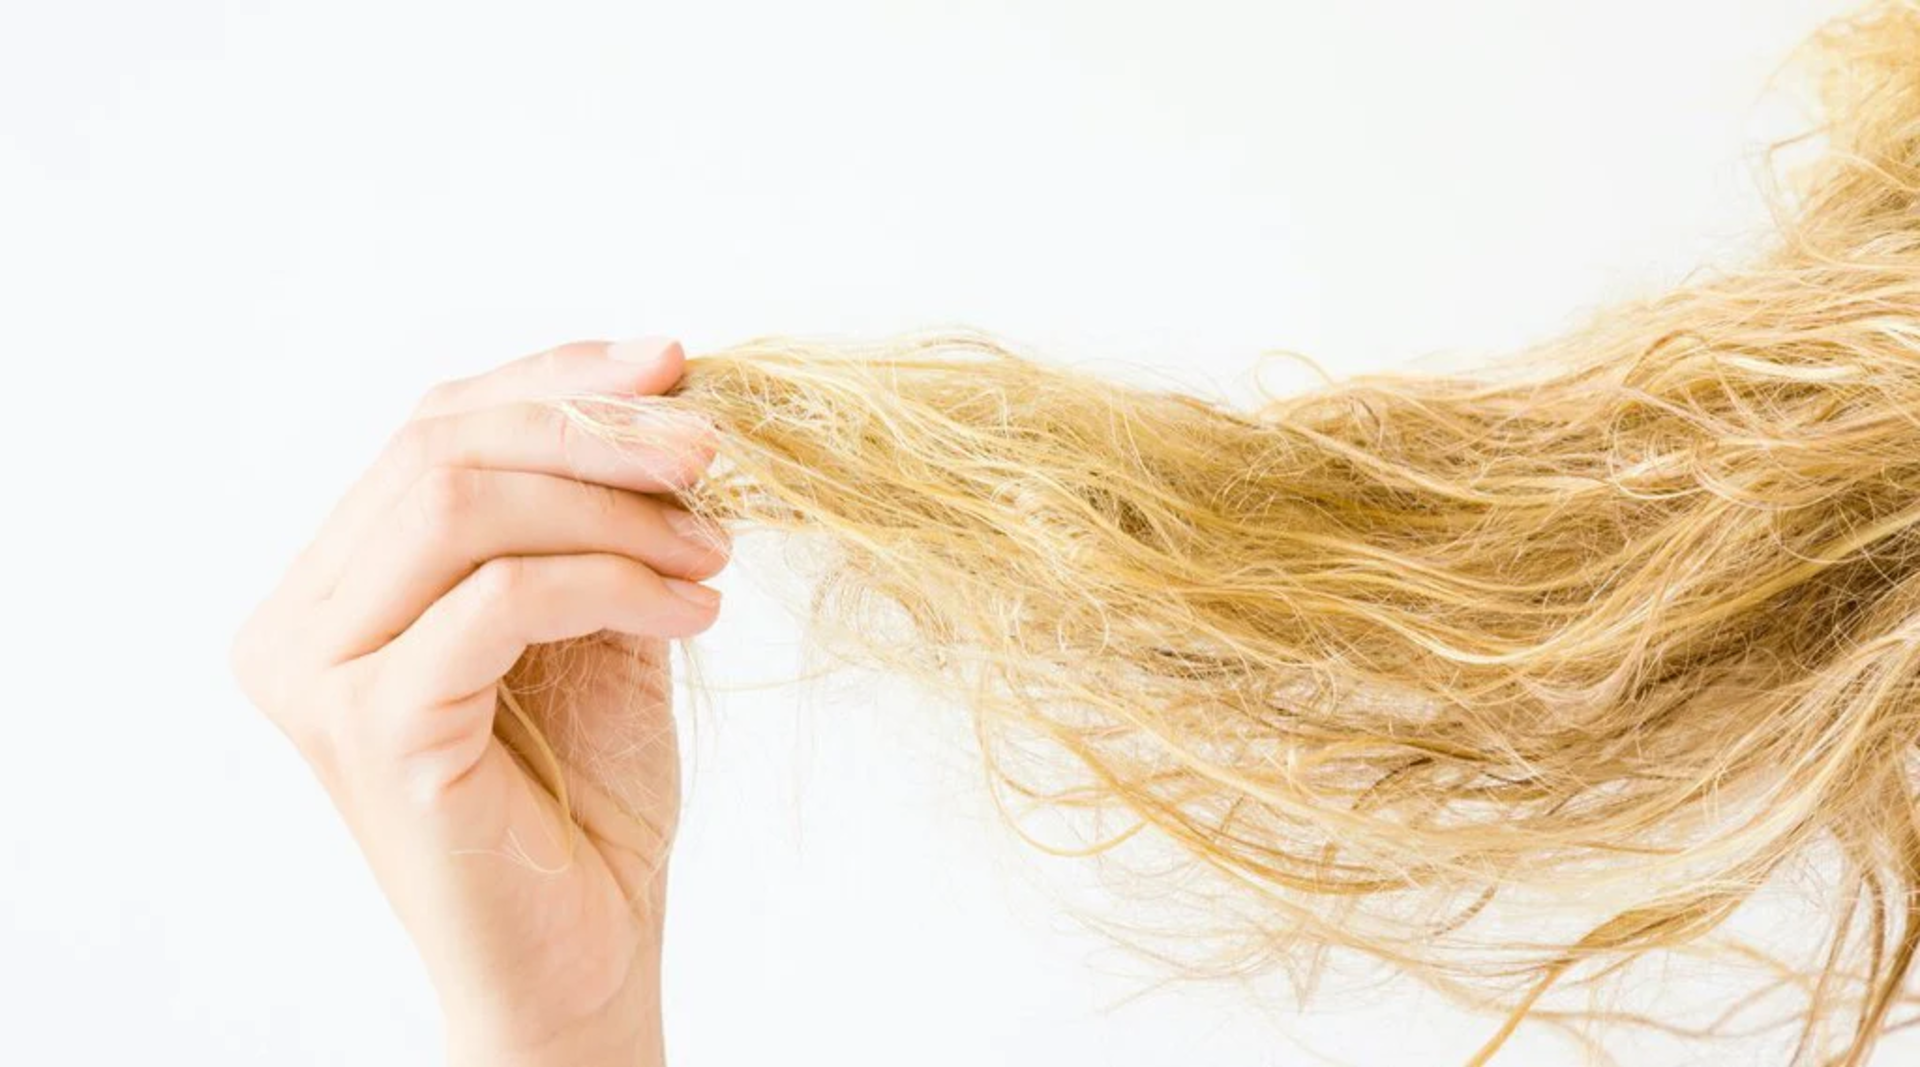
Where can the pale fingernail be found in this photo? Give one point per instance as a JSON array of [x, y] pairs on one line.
[[692, 592], [642, 349], [696, 530]]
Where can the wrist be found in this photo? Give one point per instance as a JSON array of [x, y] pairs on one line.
[[597, 1048], [629, 1042], [624, 1032]]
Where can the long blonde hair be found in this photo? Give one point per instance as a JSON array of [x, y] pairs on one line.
[[1634, 620]]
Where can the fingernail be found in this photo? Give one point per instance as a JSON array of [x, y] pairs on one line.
[[696, 530], [642, 349], [693, 592]]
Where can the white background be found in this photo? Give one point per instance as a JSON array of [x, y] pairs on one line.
[[237, 240]]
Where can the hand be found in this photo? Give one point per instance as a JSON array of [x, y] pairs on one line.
[[493, 542]]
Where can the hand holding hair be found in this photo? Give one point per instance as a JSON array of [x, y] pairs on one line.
[[471, 655]]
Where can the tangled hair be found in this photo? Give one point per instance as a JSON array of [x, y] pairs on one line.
[[1632, 623]]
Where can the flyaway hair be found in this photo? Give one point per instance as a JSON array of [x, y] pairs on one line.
[[1633, 621]]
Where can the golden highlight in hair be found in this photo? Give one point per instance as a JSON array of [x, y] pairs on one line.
[[1632, 622]]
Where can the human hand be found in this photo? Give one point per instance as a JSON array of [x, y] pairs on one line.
[[494, 542]]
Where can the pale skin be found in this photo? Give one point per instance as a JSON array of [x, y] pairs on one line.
[[489, 542]]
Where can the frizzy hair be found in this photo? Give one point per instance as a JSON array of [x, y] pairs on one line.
[[1633, 620]]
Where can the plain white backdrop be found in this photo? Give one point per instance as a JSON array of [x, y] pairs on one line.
[[237, 240]]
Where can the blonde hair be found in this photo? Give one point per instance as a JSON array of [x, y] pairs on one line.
[[1633, 621]]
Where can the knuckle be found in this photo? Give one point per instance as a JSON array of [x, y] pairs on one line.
[[415, 445], [499, 580], [258, 666], [440, 396], [444, 498]]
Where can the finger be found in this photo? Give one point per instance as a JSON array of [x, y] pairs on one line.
[[471, 637], [659, 450], [647, 366], [456, 518]]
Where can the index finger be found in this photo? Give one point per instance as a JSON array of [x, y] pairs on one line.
[[494, 420], [646, 366]]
